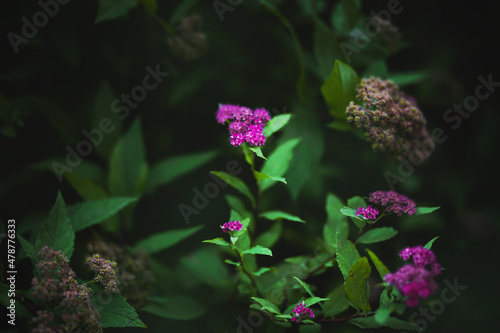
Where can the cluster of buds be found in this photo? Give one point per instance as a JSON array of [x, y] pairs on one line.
[[245, 125], [393, 202], [391, 120], [105, 271], [368, 213], [416, 280], [189, 41], [56, 284], [232, 226], [301, 311]]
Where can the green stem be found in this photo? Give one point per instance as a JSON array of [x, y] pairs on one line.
[[243, 269]]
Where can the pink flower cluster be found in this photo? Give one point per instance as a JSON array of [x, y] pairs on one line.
[[105, 271], [391, 120], [393, 202], [416, 280], [368, 213], [232, 226], [245, 125], [300, 311]]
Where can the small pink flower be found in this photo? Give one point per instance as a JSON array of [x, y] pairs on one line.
[[300, 311], [393, 202], [368, 213], [232, 226]]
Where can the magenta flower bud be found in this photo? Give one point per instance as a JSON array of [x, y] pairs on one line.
[[232, 226], [301, 311], [368, 213]]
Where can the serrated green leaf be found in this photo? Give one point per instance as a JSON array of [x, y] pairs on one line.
[[278, 162], [259, 250], [275, 124], [336, 302], [377, 235], [267, 305], [391, 322], [336, 222], [278, 215], [269, 237], [113, 9], [313, 300], [347, 255], [163, 240], [429, 243], [236, 183], [379, 265], [258, 152], [356, 285], [426, 210], [339, 89], [218, 241], [169, 169], [178, 307], [305, 286], [57, 231], [89, 213]]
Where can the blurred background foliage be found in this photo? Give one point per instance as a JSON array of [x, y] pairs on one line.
[[65, 78]]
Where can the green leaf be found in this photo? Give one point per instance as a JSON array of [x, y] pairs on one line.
[[383, 313], [426, 210], [269, 237], [231, 262], [258, 250], [259, 176], [309, 327], [276, 123], [305, 286], [336, 302], [339, 89], [207, 266], [351, 212], [258, 152], [340, 125], [57, 231], [278, 162], [238, 206], [356, 285], [86, 188], [236, 183], [114, 309], [326, 48], [377, 235], [178, 307], [169, 169], [263, 270], [89, 213], [391, 322], [218, 241], [128, 168], [267, 305], [29, 249], [347, 255], [313, 300], [336, 222], [379, 265], [407, 78], [113, 9], [277, 215], [429, 243], [164, 240]]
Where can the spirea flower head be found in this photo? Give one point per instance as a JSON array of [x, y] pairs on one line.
[[232, 226], [56, 284], [105, 271], [393, 202], [301, 311], [416, 280], [392, 122], [244, 125], [368, 213]]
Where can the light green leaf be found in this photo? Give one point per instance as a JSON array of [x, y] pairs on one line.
[[113, 9], [258, 250], [276, 123], [347, 255], [263, 270], [351, 212], [86, 188], [377, 235], [177, 307], [267, 305], [258, 152], [383, 312], [278, 215], [356, 285], [259, 176], [269, 237], [305, 286], [339, 89], [236, 183], [169, 169], [57, 231], [429, 243], [313, 300], [227, 261], [379, 265], [218, 241], [278, 162], [426, 210], [89, 213], [163, 240]]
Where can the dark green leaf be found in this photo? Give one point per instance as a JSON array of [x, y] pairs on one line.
[[408, 78], [182, 10], [356, 285], [347, 255], [276, 123], [269, 237], [89, 213], [236, 183], [169, 169], [336, 222], [429, 243], [305, 286], [113, 9], [426, 210], [178, 307], [29, 249], [326, 48], [267, 305], [217, 241], [309, 327], [391, 322], [258, 250], [278, 215], [86, 188], [337, 302], [377, 235], [379, 265], [162, 241], [339, 89], [207, 265], [238, 206]]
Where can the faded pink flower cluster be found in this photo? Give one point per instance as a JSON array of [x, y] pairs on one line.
[[300, 311], [105, 271], [56, 284], [368, 213], [391, 120], [232, 226], [245, 125], [393, 202], [416, 280]]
